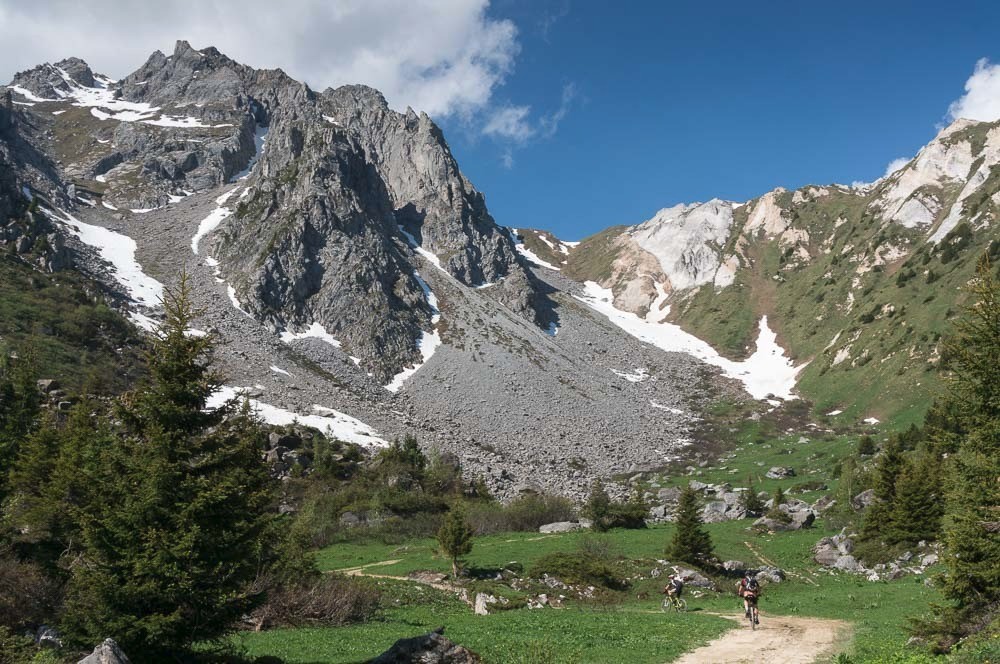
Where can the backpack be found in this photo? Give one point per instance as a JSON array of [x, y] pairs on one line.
[[752, 585]]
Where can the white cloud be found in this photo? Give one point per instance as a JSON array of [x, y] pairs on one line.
[[550, 123], [895, 165], [445, 57], [510, 122], [507, 158], [981, 100]]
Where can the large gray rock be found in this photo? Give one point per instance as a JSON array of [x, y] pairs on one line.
[[693, 578], [106, 653], [780, 473], [560, 527], [848, 564], [431, 648], [863, 499], [714, 512]]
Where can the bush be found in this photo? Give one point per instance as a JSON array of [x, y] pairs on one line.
[[15, 648], [330, 600], [27, 595], [578, 568], [526, 513]]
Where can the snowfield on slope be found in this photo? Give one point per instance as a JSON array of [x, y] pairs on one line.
[[119, 251], [331, 422], [767, 372], [428, 342]]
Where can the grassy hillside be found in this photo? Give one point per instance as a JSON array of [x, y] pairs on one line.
[[61, 322]]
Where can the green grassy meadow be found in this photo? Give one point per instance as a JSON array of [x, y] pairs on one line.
[[627, 625]]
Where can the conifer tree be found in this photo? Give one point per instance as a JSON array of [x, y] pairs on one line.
[[19, 407], [183, 526], [878, 518], [598, 506], [691, 543], [455, 537], [916, 510], [778, 498], [972, 521], [750, 502]]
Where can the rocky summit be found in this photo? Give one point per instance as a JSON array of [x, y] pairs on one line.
[[353, 276]]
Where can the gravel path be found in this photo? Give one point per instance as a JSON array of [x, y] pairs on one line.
[[777, 640]]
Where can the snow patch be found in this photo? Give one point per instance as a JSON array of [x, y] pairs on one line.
[[331, 422], [428, 342], [314, 331], [767, 372], [528, 253], [669, 409], [259, 138], [412, 241], [119, 250], [209, 224], [279, 370], [640, 375]]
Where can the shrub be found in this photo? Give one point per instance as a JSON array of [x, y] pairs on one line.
[[330, 600], [526, 513], [27, 596], [578, 568]]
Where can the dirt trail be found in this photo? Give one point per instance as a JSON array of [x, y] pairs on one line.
[[778, 640]]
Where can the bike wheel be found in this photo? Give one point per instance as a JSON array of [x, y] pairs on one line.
[[665, 605], [681, 605]]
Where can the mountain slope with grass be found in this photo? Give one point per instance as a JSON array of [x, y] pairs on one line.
[[858, 282]]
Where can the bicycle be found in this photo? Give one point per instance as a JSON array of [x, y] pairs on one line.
[[752, 614], [673, 602]]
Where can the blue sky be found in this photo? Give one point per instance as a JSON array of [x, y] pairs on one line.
[[679, 102], [574, 115]]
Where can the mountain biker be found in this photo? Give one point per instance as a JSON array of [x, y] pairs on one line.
[[674, 588], [749, 589]]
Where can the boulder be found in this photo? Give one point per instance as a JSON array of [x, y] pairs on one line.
[[424, 576], [432, 648], [46, 385], [803, 519], [774, 525], [863, 499], [734, 566], [481, 607], [714, 512], [660, 512], [670, 495], [848, 563], [560, 527], [824, 503], [698, 486], [780, 473], [539, 602], [929, 559], [770, 574], [48, 636], [106, 653], [692, 577], [825, 552]]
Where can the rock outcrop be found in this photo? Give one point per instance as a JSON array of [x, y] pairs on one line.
[[432, 648]]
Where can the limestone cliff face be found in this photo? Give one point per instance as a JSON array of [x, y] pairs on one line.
[[335, 192]]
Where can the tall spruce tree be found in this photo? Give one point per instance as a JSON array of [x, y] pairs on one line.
[[183, 528], [972, 519], [918, 504], [878, 518], [691, 543], [19, 407]]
